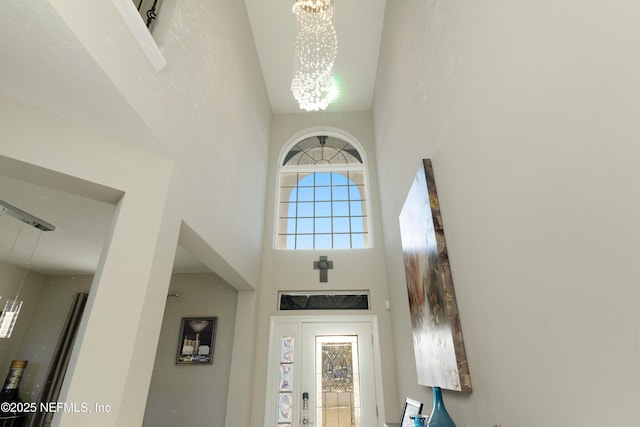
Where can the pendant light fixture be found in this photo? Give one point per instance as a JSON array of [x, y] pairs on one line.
[[12, 306]]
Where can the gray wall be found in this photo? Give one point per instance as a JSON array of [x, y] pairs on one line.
[[193, 395]]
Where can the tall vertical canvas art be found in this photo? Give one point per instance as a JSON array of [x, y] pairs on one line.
[[441, 360]]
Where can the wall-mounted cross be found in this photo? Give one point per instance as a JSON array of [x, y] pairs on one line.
[[323, 265]]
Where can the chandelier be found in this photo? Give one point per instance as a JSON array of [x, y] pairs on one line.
[[316, 46]]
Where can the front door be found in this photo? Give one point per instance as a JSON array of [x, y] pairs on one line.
[[327, 377]]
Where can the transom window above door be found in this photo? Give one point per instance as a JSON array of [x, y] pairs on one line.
[[323, 198]]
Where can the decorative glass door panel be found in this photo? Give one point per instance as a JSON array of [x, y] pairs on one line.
[[337, 381], [333, 356]]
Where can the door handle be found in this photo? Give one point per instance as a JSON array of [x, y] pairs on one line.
[[305, 408]]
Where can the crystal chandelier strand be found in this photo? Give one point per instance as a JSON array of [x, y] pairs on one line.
[[316, 47]]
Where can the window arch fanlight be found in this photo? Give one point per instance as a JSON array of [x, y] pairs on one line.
[[323, 198]]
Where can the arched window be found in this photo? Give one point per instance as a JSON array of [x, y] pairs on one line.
[[323, 201]]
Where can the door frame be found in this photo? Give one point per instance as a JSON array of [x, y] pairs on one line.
[[294, 325]]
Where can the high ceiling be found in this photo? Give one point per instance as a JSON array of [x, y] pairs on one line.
[[358, 26], [65, 70]]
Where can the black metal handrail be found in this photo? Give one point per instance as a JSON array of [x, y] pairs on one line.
[[151, 13]]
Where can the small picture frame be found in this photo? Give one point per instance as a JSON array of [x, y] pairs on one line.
[[410, 409], [197, 340]]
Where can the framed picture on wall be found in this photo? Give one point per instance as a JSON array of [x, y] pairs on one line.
[[197, 339]]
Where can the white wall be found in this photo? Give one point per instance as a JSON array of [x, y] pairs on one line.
[[528, 112], [293, 270], [193, 395], [137, 259], [209, 111]]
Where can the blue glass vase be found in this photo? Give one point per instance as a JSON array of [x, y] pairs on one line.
[[439, 416]]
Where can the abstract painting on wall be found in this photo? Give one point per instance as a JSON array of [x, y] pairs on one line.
[[441, 360]]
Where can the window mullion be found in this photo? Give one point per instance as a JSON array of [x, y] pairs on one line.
[[331, 206], [315, 200], [349, 209], [295, 239]]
